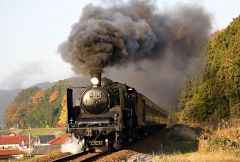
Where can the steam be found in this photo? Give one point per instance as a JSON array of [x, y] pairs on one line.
[[159, 81], [24, 76], [73, 147], [32, 74], [132, 32], [135, 38]]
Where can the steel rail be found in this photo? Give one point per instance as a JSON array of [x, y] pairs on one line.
[[85, 156], [72, 157]]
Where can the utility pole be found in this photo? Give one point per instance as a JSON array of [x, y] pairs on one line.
[[29, 144]]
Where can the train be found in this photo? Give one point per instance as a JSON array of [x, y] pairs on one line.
[[111, 114]]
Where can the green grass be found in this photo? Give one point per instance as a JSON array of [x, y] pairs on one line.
[[178, 147], [170, 147], [38, 131]]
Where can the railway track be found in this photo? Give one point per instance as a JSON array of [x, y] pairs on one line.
[[91, 155], [85, 156]]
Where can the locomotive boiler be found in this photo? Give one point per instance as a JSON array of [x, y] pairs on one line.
[[110, 114]]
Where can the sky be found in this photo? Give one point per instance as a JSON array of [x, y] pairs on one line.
[[31, 31]]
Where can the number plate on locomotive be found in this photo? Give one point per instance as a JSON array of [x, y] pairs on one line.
[[95, 94]]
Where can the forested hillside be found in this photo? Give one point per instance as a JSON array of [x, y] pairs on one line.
[[215, 93], [42, 106], [35, 107]]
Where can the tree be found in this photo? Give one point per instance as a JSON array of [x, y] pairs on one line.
[[215, 93]]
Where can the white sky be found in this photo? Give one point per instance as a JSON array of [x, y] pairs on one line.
[[31, 30]]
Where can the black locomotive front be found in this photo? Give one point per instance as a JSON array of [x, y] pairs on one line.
[[110, 113], [94, 113]]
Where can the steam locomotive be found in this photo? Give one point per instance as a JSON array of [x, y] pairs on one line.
[[110, 114]]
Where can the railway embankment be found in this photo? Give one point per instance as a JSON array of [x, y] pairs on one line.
[[181, 143]]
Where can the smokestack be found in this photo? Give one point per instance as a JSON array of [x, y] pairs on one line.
[[96, 77]]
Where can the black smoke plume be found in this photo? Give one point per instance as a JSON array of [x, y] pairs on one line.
[[137, 33]]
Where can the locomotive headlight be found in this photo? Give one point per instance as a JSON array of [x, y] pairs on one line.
[[94, 81]]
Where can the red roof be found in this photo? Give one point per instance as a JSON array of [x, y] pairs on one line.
[[59, 140], [4, 140], [11, 152]]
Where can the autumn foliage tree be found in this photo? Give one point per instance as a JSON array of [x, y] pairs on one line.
[[215, 93], [63, 117], [19, 108], [38, 96], [54, 96]]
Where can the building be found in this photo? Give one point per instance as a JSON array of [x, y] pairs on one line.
[[14, 142], [53, 145], [44, 149], [45, 139], [11, 154], [60, 140]]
